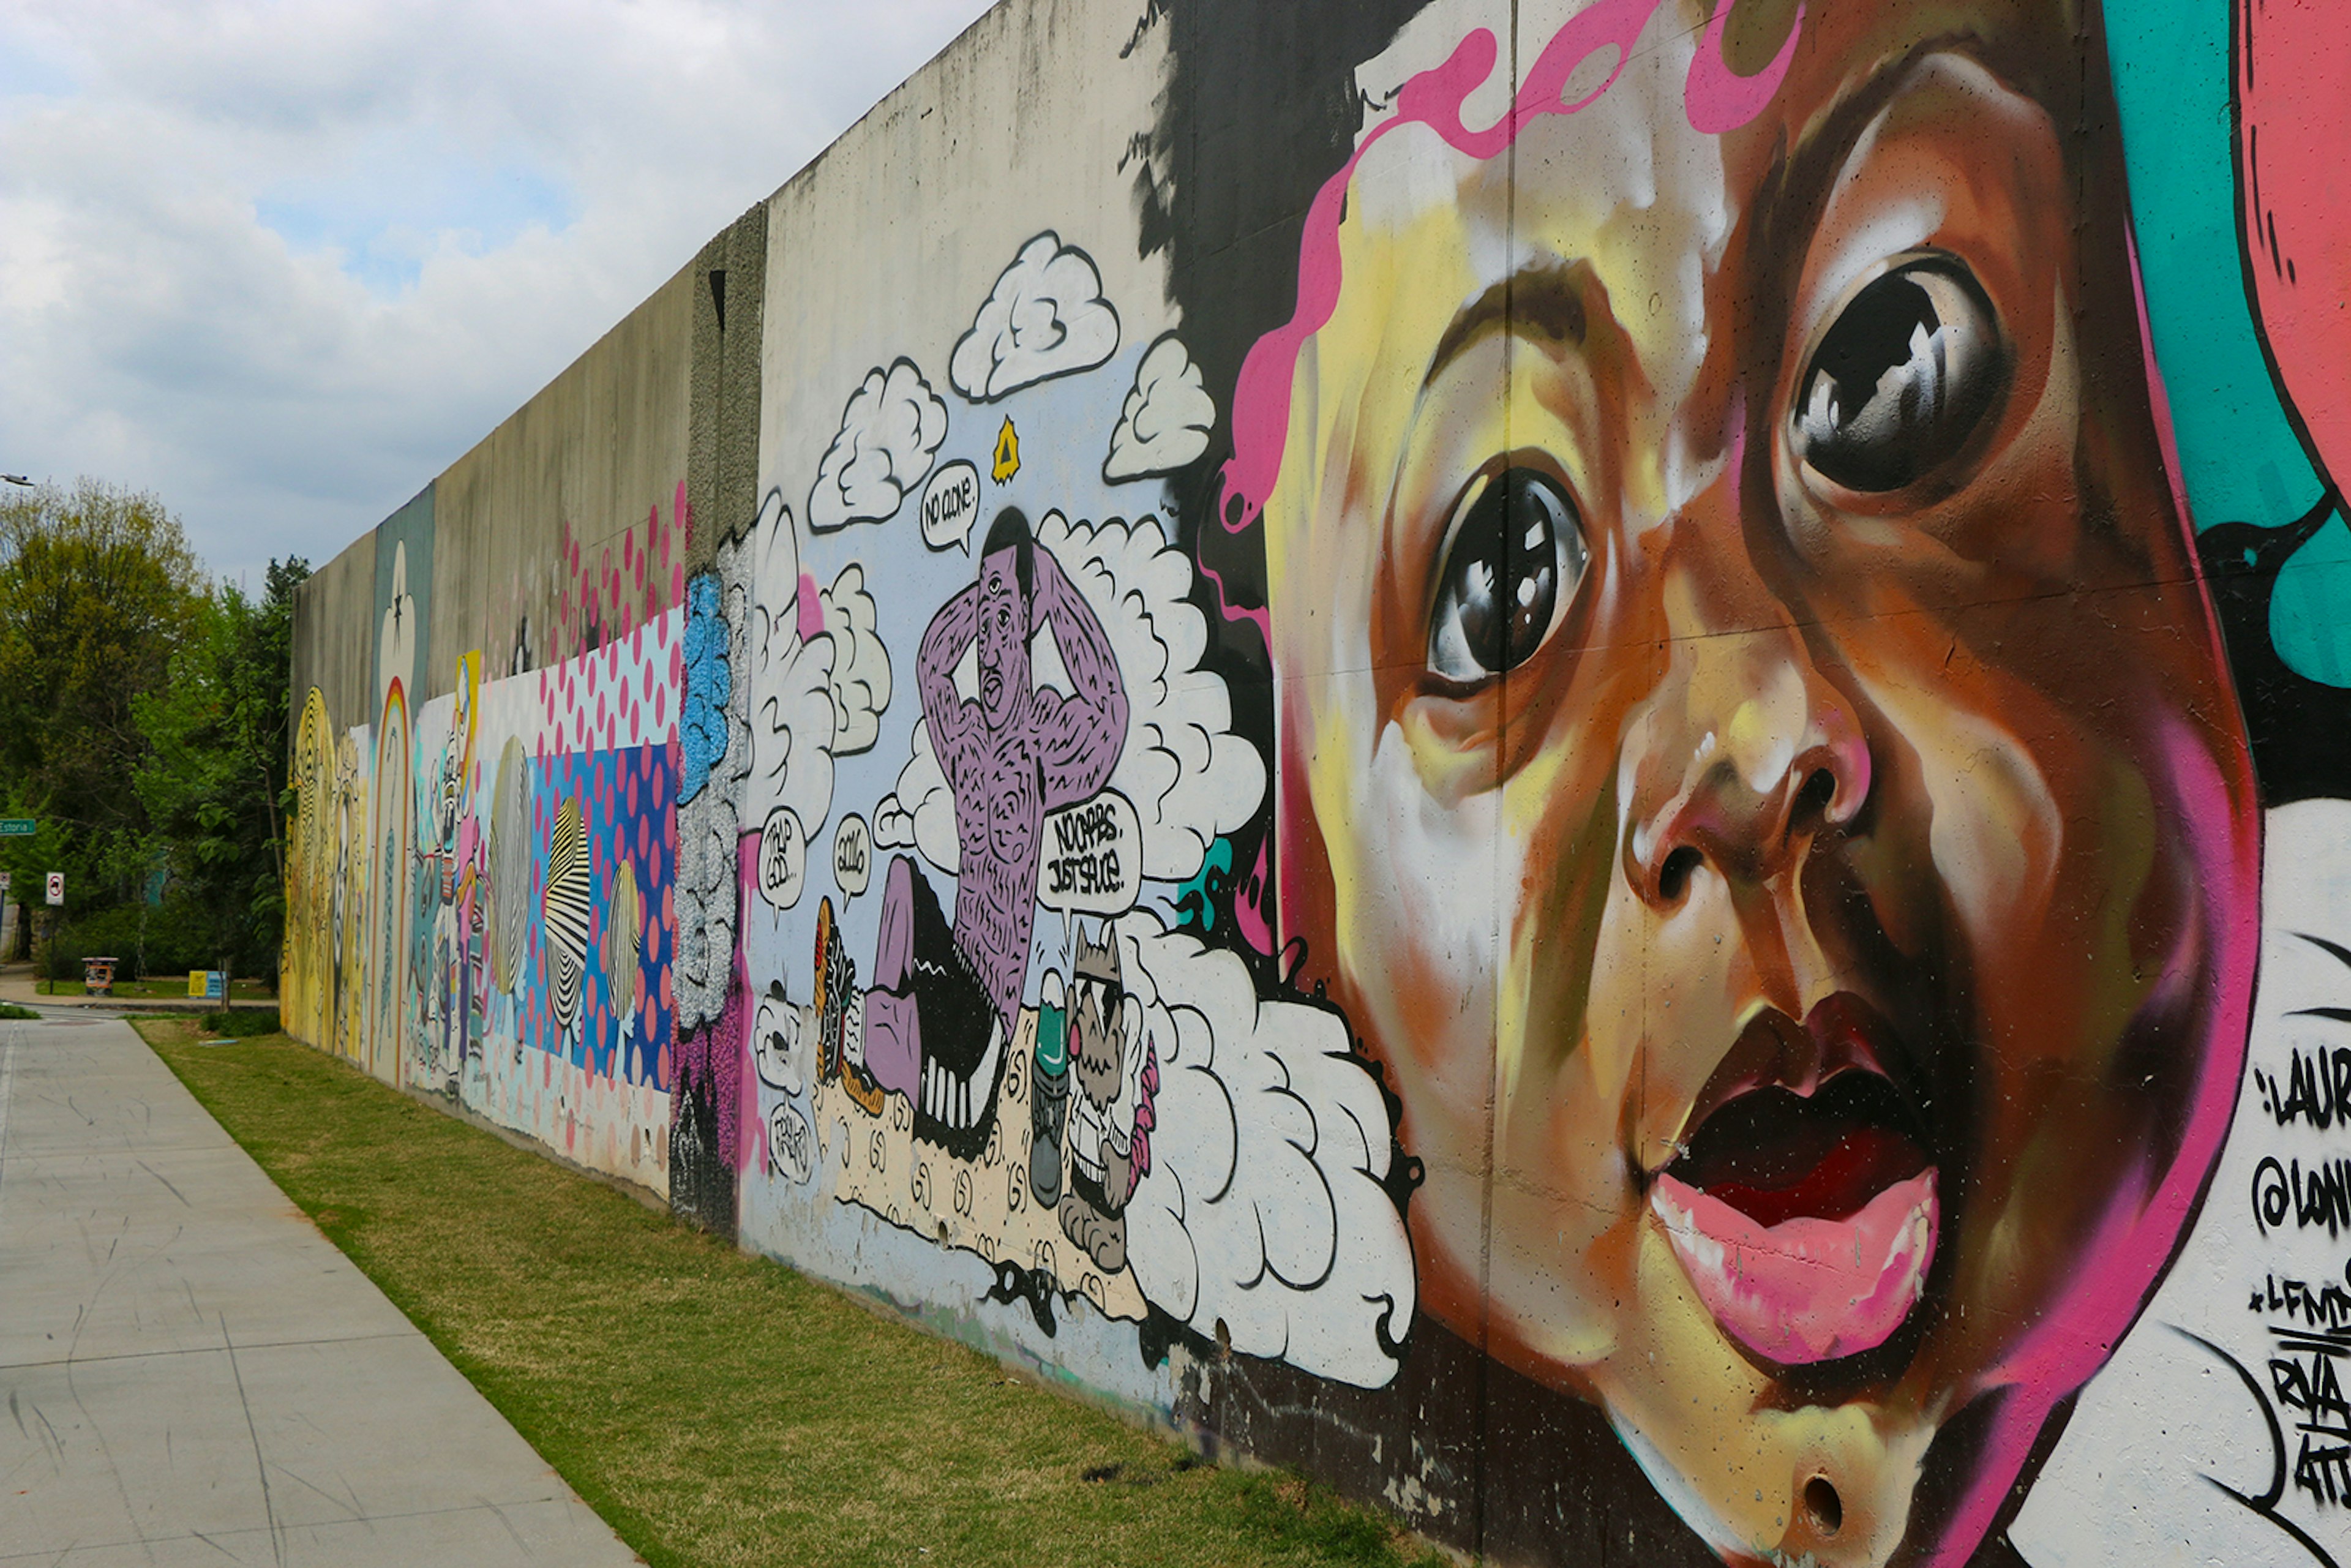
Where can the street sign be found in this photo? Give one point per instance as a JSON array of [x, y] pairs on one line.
[[18, 827], [3, 887], [56, 889]]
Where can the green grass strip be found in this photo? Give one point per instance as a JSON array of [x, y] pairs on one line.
[[716, 1408]]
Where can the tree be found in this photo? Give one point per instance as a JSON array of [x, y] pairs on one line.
[[213, 780], [98, 588]]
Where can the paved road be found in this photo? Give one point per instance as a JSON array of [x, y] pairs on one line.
[[193, 1374]]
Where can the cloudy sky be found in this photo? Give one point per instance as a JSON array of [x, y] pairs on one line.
[[280, 263]]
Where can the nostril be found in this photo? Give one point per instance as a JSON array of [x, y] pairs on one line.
[[1812, 803], [1674, 876]]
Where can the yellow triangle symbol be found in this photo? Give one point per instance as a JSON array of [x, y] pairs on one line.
[[1007, 451]]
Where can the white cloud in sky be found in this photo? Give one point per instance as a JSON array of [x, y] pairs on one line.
[[281, 263]]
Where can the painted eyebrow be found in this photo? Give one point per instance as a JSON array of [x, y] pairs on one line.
[[1545, 300]]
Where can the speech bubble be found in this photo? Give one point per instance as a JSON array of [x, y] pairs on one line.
[[790, 1143], [852, 856], [779, 1042], [783, 858], [950, 506], [1093, 859]]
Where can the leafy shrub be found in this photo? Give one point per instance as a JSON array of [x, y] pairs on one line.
[[242, 1023], [175, 936]]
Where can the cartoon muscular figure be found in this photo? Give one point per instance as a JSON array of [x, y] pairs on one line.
[[945, 1000]]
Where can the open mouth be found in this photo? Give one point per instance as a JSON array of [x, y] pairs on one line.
[[1803, 1203]]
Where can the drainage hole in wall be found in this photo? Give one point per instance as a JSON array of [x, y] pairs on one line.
[[1821, 1501]]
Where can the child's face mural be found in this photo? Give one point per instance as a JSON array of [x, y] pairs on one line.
[[1720, 551]]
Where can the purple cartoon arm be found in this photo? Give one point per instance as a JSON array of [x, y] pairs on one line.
[[949, 634], [1081, 735]]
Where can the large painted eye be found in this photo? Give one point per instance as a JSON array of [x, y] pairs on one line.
[[1902, 379], [1514, 553]]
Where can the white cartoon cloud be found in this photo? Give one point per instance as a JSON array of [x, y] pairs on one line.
[[1190, 777], [791, 704], [925, 783], [1264, 1208], [1046, 316], [861, 665], [889, 433], [894, 825], [1167, 419]]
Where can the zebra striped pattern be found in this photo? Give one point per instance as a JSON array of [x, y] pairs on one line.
[[566, 910]]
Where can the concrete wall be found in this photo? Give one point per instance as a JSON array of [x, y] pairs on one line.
[[1540, 755]]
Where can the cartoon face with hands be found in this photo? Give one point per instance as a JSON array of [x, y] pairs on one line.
[[1756, 760]]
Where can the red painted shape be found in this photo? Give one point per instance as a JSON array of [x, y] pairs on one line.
[[2293, 120]]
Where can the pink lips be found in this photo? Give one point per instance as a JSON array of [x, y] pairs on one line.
[[1804, 1203], [1805, 1290]]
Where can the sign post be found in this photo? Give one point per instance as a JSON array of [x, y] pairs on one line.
[[57, 890]]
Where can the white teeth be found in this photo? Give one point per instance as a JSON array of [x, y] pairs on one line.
[[962, 1104], [930, 1089]]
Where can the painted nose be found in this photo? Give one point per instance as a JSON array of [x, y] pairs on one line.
[[1752, 760]]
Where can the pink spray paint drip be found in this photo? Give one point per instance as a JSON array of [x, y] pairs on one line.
[[1715, 99], [810, 609], [1249, 905], [734, 1022]]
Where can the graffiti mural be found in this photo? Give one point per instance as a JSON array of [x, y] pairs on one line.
[[1585, 760]]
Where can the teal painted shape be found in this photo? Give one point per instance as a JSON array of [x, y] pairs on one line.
[[1195, 901], [2307, 620], [2240, 457]]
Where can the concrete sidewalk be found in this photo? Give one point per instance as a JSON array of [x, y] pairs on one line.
[[193, 1374]]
